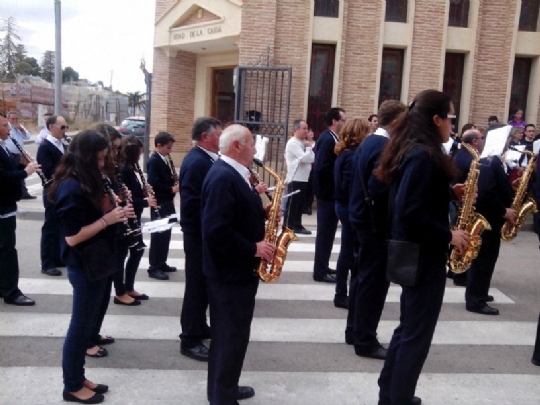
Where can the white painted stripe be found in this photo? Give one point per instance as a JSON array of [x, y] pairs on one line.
[[472, 332], [188, 387], [277, 291], [176, 230], [296, 266], [294, 247]]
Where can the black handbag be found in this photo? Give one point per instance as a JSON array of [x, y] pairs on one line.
[[99, 259], [402, 263]]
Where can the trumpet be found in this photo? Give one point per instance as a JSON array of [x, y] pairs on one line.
[[147, 188], [44, 181]]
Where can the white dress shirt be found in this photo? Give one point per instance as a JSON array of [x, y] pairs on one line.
[[299, 159], [242, 170], [42, 135], [56, 142], [20, 137]]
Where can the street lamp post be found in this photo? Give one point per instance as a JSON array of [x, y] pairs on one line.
[[58, 57]]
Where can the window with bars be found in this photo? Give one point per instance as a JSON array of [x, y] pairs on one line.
[[391, 74], [454, 66], [396, 11], [528, 17], [459, 13], [327, 8], [520, 85]]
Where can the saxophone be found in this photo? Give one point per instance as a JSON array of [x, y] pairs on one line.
[[468, 219], [521, 203], [282, 242]]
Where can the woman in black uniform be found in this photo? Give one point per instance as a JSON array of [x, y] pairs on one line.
[[419, 174]]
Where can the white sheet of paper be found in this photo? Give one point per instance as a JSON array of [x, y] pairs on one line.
[[496, 141]]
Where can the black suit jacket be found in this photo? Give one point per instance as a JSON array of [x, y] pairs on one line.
[[323, 168], [48, 156], [10, 181], [193, 171], [160, 178], [462, 161], [232, 223]]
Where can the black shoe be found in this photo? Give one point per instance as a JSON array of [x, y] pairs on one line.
[[378, 353], [302, 231], [416, 401], [100, 388], [485, 310], [535, 361], [52, 272], [102, 352], [158, 275], [105, 340], [459, 282], [199, 352], [20, 301], [169, 269], [341, 302], [132, 304], [327, 278], [95, 399], [142, 297], [332, 271], [490, 298], [28, 197], [244, 392]]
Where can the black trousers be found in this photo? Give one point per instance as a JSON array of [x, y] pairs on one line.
[[159, 241], [9, 261], [193, 318], [295, 205], [50, 236], [310, 193], [327, 222], [231, 313], [409, 347], [366, 302], [17, 157], [481, 271], [536, 353]]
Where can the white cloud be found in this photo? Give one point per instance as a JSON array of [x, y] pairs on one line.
[[98, 36]]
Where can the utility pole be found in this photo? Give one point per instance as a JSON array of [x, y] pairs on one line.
[[58, 57]]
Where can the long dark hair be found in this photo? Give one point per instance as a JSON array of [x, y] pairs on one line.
[[80, 162], [415, 127], [131, 151], [111, 134]]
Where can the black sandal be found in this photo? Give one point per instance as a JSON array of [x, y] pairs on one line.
[[102, 352]]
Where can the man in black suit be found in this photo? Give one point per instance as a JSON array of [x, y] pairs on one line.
[[162, 178], [233, 231], [323, 183], [11, 175], [49, 153], [205, 132]]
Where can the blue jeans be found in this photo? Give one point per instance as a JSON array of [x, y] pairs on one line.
[[87, 299]]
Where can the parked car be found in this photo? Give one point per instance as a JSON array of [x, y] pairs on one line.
[[133, 126]]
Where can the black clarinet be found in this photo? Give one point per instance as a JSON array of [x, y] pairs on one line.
[[132, 236], [44, 181], [133, 223], [147, 188], [173, 170]]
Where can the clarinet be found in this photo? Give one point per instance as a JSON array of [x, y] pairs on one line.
[[147, 188], [133, 223], [39, 172], [132, 236], [173, 170], [257, 180]]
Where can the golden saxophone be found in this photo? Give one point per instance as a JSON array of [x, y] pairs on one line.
[[468, 219], [282, 242], [522, 204]]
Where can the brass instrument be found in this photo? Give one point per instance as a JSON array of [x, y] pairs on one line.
[[522, 203], [173, 170], [44, 181], [147, 188], [468, 219], [282, 241], [132, 235]]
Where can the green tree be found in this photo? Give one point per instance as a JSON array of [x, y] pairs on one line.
[[135, 100], [47, 66], [9, 49], [69, 75]]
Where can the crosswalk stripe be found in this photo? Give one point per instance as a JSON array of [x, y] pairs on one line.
[[273, 329], [294, 247], [278, 291], [176, 230], [188, 387]]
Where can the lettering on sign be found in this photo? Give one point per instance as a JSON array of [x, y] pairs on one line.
[[197, 33]]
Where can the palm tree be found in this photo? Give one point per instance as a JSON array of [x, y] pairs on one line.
[[136, 100]]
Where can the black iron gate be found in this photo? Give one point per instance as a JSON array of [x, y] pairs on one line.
[[262, 103]]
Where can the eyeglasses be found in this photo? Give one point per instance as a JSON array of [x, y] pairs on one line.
[[62, 127], [451, 116]]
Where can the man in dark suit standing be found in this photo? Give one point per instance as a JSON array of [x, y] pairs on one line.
[[323, 183], [233, 231], [162, 178], [205, 133], [11, 175], [49, 153]]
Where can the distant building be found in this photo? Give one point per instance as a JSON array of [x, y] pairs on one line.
[[353, 54]]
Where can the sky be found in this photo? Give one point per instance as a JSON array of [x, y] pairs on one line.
[[98, 36]]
